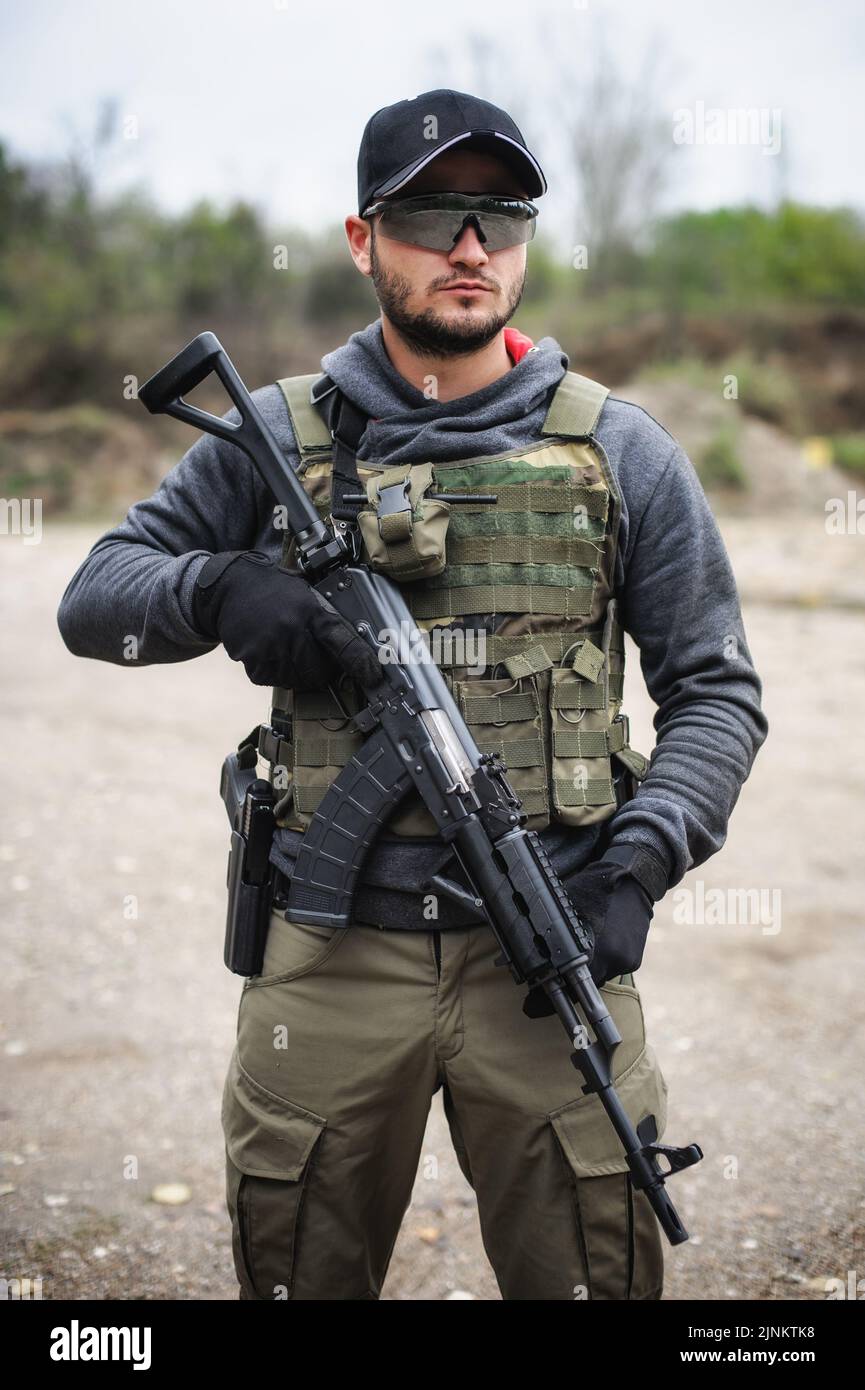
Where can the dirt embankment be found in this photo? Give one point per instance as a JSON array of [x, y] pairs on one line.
[[820, 352]]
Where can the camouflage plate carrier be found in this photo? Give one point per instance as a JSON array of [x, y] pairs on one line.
[[533, 574]]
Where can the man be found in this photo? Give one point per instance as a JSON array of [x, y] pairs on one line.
[[600, 526]]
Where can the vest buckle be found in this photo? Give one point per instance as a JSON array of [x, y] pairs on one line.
[[393, 499]]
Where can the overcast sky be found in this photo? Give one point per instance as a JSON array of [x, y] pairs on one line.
[[267, 99]]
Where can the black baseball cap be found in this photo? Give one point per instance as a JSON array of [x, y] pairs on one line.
[[396, 142]]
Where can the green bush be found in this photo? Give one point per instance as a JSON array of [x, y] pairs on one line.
[[765, 389], [743, 256], [719, 464], [848, 451]]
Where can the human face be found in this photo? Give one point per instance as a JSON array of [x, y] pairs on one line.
[[450, 303]]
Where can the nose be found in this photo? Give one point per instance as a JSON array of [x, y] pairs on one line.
[[468, 248]]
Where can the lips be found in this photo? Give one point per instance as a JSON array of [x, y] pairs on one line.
[[464, 286]]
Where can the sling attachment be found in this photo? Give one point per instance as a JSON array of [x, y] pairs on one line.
[[678, 1157], [403, 527], [346, 424]]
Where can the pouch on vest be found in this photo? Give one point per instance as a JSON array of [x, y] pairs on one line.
[[403, 529], [504, 717]]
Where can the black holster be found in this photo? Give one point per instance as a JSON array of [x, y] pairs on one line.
[[249, 801]]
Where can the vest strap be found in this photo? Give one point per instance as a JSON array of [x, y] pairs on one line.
[[276, 750], [594, 743], [576, 406], [636, 762], [310, 431]]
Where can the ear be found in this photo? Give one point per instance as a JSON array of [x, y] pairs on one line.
[[359, 233]]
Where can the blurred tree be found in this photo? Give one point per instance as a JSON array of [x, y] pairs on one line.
[[220, 261], [619, 146], [746, 256], [335, 292]]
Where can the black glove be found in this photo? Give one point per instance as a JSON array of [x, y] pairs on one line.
[[281, 628], [618, 908]]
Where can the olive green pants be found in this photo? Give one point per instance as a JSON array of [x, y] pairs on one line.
[[342, 1042]]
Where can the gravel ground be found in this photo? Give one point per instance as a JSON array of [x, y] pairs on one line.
[[118, 1015]]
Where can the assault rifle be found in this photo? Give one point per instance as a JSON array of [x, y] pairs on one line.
[[416, 737]]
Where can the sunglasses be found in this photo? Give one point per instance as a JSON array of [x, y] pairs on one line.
[[436, 220]]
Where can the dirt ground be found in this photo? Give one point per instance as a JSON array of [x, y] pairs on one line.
[[118, 1015]]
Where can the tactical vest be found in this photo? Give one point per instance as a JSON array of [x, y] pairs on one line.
[[542, 560]]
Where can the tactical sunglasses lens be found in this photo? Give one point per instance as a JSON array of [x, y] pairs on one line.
[[438, 229]]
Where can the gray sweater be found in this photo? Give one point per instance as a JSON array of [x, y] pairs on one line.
[[677, 595]]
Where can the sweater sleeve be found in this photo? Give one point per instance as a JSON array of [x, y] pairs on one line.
[[130, 601], [680, 604]]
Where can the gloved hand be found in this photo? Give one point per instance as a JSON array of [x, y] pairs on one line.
[[281, 628], [618, 909]]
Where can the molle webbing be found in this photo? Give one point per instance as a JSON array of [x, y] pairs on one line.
[[596, 791], [540, 497], [501, 598], [470, 523], [515, 752], [536, 801], [549, 572], [527, 550], [572, 743], [588, 694], [554, 644], [499, 709]]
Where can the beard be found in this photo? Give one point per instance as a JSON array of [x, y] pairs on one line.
[[431, 334]]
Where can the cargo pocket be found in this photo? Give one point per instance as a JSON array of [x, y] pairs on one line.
[[504, 717], [618, 1232], [270, 1147]]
